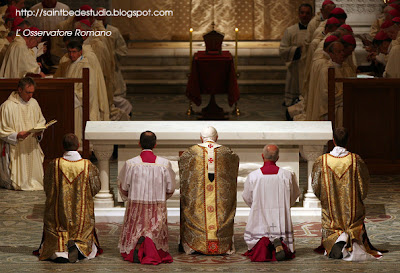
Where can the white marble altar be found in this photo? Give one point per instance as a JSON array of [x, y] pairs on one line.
[[246, 138]]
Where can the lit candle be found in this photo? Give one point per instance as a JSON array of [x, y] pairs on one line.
[[236, 48], [190, 49]]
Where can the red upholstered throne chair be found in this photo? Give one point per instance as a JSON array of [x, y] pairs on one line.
[[213, 41]]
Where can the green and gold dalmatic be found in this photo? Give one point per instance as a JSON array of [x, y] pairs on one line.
[[208, 207]]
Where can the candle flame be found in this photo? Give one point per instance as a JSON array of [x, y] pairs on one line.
[[191, 29], [236, 29]]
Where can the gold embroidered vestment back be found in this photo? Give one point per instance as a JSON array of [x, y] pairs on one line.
[[208, 207], [69, 211], [341, 183]]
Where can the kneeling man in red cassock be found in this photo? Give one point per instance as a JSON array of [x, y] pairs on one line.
[[270, 192], [146, 182]]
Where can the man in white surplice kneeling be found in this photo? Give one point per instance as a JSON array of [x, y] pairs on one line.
[[146, 182], [270, 192]]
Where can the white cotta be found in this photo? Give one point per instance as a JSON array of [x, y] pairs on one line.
[[270, 198], [145, 187]]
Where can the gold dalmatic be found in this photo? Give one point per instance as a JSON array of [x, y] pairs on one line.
[[69, 213], [341, 183], [208, 206]]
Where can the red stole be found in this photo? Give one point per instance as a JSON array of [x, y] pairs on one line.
[[269, 168], [148, 157]]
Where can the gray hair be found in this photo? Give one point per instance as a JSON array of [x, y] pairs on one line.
[[270, 153]]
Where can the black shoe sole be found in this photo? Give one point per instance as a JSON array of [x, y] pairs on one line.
[[72, 252], [336, 251]]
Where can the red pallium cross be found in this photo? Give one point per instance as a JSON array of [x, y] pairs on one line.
[[210, 160], [210, 146]]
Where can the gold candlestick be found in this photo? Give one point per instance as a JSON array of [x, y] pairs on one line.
[[190, 49], [236, 48]]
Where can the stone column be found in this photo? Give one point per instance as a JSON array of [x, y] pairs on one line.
[[104, 199], [311, 153]]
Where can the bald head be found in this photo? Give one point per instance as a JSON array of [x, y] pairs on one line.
[[209, 133], [271, 153]]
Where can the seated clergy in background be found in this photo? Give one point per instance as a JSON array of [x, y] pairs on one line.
[[19, 61], [120, 50], [98, 81], [146, 182], [340, 180], [48, 22], [293, 52], [270, 192], [392, 69], [319, 83], [208, 173], [322, 15], [72, 68], [70, 185], [21, 157], [379, 56]]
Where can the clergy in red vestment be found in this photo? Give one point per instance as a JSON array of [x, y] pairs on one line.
[[146, 182], [270, 192]]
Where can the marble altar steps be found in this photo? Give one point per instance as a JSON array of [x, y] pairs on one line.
[[165, 71]]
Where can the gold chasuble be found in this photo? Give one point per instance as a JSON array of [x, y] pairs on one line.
[[208, 207], [69, 213], [341, 183]]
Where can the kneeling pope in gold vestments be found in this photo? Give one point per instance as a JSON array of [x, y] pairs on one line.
[[208, 174]]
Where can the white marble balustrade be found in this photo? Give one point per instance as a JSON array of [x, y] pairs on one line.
[[246, 138]]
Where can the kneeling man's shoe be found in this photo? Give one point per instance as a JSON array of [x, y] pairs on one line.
[[60, 260], [279, 252], [136, 251], [72, 252], [336, 251]]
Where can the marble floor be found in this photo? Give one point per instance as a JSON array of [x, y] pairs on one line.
[[21, 217], [21, 228], [252, 107]]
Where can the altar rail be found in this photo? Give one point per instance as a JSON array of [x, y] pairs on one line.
[[371, 113], [246, 138]]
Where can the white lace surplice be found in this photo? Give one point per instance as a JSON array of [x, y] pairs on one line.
[[270, 198], [145, 187]]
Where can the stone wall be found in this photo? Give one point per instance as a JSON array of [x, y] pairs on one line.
[[360, 13], [256, 19]]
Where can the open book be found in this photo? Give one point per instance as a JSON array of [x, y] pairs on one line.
[[42, 128]]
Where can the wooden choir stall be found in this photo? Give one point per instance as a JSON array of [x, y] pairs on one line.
[[371, 113], [56, 99]]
